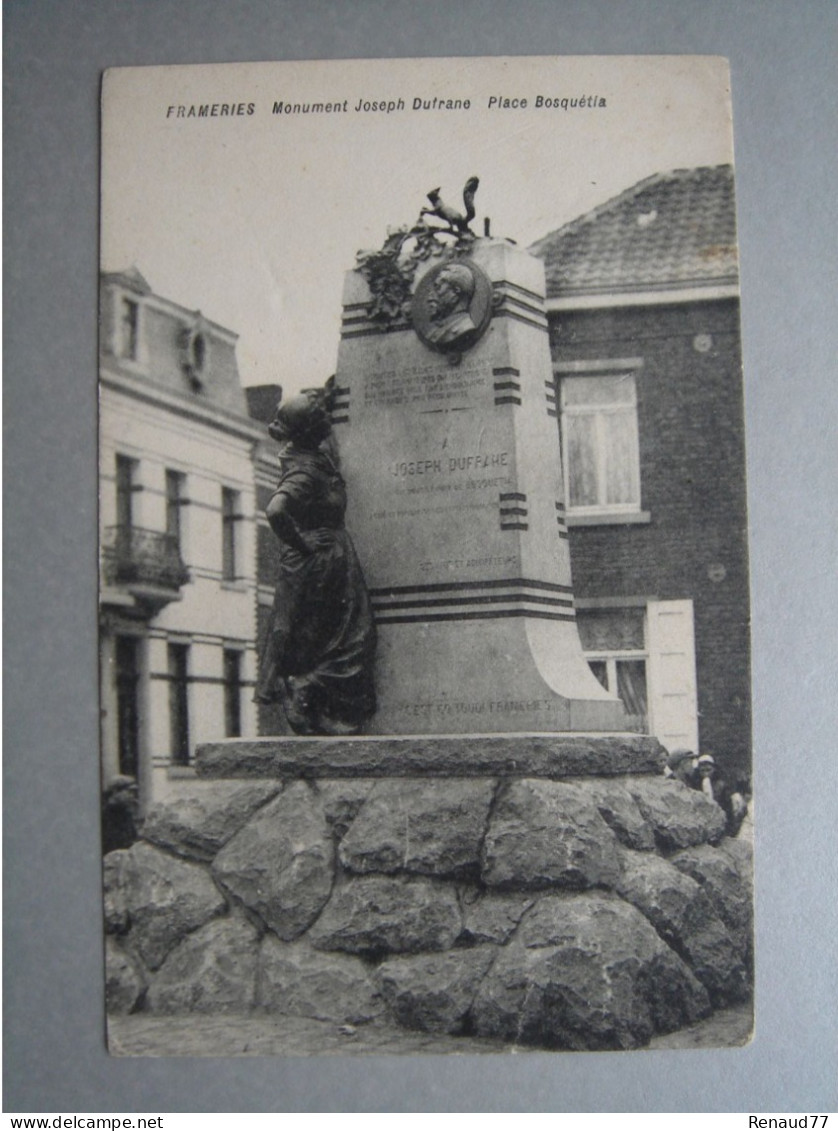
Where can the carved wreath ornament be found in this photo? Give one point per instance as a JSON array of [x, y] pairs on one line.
[[390, 271]]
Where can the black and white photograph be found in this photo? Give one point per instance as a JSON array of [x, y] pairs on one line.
[[424, 601], [282, 252]]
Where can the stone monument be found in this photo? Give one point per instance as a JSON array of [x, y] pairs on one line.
[[446, 419], [452, 870]]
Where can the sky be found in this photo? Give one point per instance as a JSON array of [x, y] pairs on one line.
[[254, 218]]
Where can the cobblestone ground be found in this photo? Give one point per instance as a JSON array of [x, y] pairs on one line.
[[196, 1035]]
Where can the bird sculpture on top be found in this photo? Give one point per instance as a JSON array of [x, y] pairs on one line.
[[458, 222]]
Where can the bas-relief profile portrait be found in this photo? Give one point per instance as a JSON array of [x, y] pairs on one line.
[[452, 306]]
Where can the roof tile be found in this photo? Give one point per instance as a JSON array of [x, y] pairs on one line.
[[671, 230]]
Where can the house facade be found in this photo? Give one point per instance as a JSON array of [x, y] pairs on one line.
[[262, 401], [177, 537], [643, 308]]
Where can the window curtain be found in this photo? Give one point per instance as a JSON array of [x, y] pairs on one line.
[[631, 687]]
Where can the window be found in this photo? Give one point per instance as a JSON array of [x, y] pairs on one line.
[[129, 325], [627, 680], [175, 499], [229, 538], [232, 692], [614, 643], [645, 654], [126, 485], [194, 354], [127, 703], [179, 703], [600, 443]]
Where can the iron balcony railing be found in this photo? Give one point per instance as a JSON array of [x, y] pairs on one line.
[[132, 555]]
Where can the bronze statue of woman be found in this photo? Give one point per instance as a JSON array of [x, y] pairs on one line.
[[317, 658]]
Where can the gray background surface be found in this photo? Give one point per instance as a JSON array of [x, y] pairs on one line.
[[784, 94]]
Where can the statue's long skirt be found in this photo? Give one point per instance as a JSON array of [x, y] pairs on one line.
[[321, 632]]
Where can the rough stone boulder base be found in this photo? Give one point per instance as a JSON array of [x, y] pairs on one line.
[[296, 980], [620, 812], [167, 898], [199, 825], [124, 981], [114, 869], [280, 865], [342, 801], [428, 827], [379, 914], [586, 972], [729, 896], [683, 915], [740, 851], [434, 992], [543, 834], [491, 917], [679, 816], [212, 971]]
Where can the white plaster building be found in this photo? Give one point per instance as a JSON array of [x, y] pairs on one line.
[[177, 528]]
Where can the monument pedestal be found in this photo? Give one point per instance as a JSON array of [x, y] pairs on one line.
[[547, 890], [552, 756], [456, 508]]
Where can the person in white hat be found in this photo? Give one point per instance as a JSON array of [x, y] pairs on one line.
[[700, 772]]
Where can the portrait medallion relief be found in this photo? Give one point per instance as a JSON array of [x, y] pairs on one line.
[[452, 306]]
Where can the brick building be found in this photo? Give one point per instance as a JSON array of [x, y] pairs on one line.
[[178, 563], [643, 306]]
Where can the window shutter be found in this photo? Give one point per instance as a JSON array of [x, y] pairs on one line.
[[673, 709]]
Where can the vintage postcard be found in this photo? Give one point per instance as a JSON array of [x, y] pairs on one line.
[[424, 600]]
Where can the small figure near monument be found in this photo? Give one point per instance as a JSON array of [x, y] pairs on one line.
[[120, 813], [693, 770], [317, 659], [700, 772]]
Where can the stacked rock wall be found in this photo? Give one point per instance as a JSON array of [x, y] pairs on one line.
[[581, 913]]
